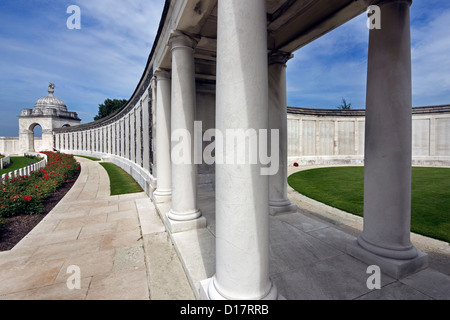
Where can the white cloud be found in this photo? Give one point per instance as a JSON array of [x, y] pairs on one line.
[[331, 68], [431, 61], [105, 59]]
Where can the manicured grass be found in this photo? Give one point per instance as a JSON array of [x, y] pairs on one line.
[[17, 163], [343, 188], [90, 158], [120, 181]]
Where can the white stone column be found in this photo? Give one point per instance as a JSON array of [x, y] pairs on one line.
[[109, 139], [279, 202], [146, 136], [139, 135], [127, 137], [122, 138], [242, 192], [97, 140], [85, 142], [58, 142], [183, 104], [133, 135], [104, 134], [385, 240], [163, 169]]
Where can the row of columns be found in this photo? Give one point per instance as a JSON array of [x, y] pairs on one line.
[[244, 197], [241, 103], [128, 137], [251, 94]]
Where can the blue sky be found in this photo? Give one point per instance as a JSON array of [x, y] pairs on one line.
[[106, 58]]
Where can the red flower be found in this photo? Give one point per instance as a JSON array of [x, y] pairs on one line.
[[295, 164], [27, 198], [2, 206], [36, 186]]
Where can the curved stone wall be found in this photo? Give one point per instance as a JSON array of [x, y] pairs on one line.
[[128, 137], [124, 138], [318, 136]]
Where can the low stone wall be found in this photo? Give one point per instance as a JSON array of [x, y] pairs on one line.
[[11, 146], [319, 136]]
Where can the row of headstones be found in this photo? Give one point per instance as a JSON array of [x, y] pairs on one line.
[[5, 161], [24, 171]]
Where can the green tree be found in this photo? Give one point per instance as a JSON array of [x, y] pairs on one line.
[[344, 105], [109, 107]]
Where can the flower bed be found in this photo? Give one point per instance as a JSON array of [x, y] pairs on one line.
[[26, 194]]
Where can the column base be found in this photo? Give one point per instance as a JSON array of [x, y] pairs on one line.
[[208, 292], [176, 226], [396, 268], [162, 196], [278, 207]]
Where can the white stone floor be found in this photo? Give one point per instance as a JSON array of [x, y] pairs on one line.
[[308, 260]]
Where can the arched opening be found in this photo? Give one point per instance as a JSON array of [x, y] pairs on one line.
[[66, 126], [35, 137]]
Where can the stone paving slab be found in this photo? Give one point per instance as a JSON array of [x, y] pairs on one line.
[[308, 257], [107, 237]]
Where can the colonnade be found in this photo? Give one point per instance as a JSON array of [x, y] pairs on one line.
[[125, 138], [251, 94]]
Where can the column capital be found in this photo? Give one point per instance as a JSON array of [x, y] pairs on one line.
[[279, 57], [179, 39], [161, 74]]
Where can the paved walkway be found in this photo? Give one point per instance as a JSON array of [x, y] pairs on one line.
[[123, 251], [118, 242], [308, 258]]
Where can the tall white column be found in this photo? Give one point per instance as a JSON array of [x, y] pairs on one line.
[[139, 134], [183, 103], [133, 135], [127, 137], [385, 240], [242, 192], [122, 138], [145, 137], [279, 202], [110, 139], [163, 164]]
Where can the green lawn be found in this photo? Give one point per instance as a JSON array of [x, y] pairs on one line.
[[343, 188], [17, 163], [121, 182]]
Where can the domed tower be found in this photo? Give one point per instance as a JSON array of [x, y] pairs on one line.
[[49, 112]]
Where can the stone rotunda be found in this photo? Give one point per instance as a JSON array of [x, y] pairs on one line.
[[49, 112]]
